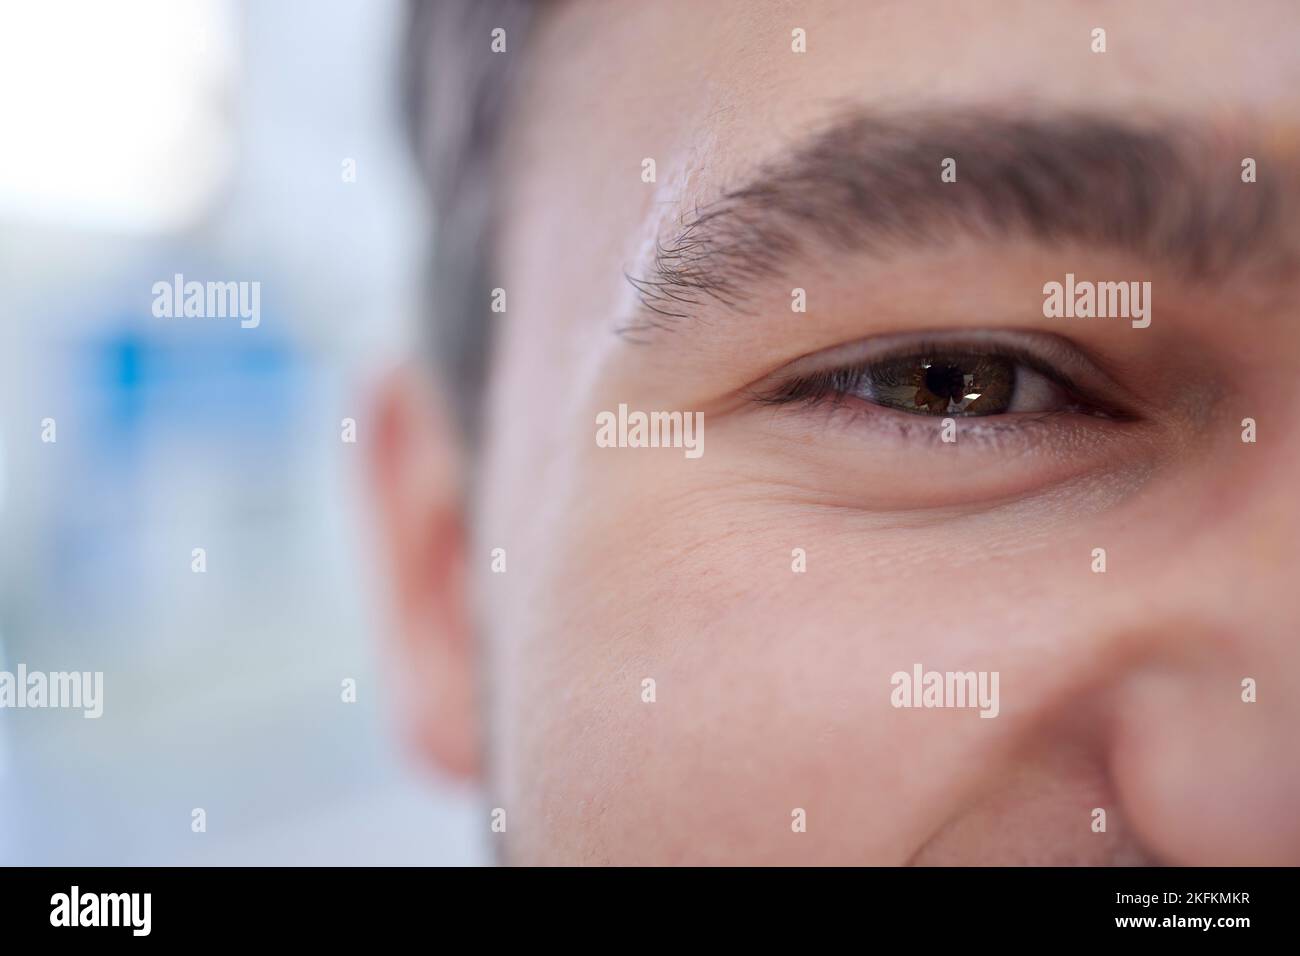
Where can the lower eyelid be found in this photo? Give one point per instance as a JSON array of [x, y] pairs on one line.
[[1020, 432], [868, 458]]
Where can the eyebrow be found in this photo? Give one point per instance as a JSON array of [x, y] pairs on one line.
[[871, 183]]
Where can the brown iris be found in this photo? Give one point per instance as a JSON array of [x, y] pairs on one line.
[[945, 384]]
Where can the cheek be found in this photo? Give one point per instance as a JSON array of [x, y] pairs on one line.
[[771, 687], [680, 714]]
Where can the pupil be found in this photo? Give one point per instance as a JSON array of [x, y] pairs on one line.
[[945, 381]]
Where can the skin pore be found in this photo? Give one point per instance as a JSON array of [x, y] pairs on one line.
[[1119, 690]]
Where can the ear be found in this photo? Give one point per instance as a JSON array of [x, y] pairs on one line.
[[416, 474]]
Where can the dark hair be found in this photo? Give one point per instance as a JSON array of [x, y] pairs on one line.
[[455, 94]]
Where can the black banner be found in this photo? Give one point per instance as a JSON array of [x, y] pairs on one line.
[[334, 905]]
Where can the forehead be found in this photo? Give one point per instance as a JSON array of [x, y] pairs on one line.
[[709, 90], [688, 75]]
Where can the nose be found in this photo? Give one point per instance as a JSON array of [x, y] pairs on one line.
[[1204, 730]]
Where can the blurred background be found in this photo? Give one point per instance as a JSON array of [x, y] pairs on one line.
[[227, 140]]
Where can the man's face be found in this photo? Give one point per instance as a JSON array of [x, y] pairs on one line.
[[834, 532]]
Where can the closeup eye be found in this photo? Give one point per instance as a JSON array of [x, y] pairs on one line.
[[982, 379], [945, 383]]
